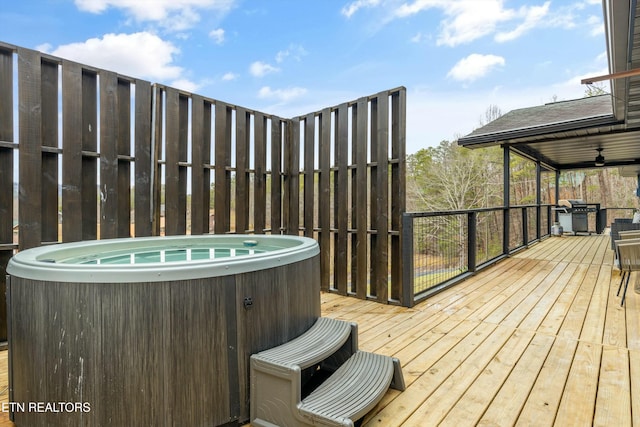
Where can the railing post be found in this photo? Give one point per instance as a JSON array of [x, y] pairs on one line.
[[408, 274], [506, 163], [471, 241], [525, 228], [538, 199], [555, 218], [538, 222], [601, 219]]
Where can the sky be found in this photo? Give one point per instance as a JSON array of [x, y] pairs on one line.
[[457, 58]]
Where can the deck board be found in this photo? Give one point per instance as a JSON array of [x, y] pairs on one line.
[[544, 399], [578, 399], [479, 395], [508, 402], [436, 407], [4, 390], [538, 339]]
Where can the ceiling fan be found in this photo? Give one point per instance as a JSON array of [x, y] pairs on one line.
[[599, 158]]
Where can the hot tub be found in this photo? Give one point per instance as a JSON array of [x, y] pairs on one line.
[[152, 331]]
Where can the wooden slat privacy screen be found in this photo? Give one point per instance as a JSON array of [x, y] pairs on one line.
[[101, 155]]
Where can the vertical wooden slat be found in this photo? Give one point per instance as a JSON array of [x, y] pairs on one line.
[[379, 196], [276, 175], [243, 121], [6, 153], [157, 129], [6, 178], [359, 256], [309, 173], [198, 224], [71, 152], [341, 198], [206, 160], [398, 190], [30, 156], [142, 146], [291, 202], [222, 163], [171, 168], [200, 156], [324, 198], [260, 175], [124, 162], [374, 199], [183, 141], [89, 171], [49, 176], [176, 153], [108, 155]]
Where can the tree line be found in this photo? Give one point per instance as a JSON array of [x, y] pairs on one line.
[[450, 177]]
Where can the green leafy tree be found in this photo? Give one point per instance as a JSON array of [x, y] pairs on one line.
[[449, 177]]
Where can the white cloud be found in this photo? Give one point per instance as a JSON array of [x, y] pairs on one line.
[[259, 69], [597, 26], [408, 9], [45, 47], [417, 38], [465, 21], [173, 14], [227, 77], [142, 55], [182, 20], [469, 20], [186, 85], [217, 35], [354, 6], [283, 95], [532, 18], [475, 66], [294, 51]]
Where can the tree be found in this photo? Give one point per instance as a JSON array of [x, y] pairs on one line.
[[450, 178], [595, 89], [491, 113]]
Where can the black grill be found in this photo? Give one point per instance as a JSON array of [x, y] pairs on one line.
[[573, 215]]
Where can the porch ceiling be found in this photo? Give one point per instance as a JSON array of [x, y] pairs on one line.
[[565, 135]]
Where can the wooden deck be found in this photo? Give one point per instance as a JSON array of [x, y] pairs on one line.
[[539, 339], [4, 390]]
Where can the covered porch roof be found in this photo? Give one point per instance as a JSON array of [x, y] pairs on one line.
[[565, 135]]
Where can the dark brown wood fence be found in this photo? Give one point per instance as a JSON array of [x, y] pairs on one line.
[[87, 153]]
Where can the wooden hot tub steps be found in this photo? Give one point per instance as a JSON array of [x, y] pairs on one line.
[[357, 382]]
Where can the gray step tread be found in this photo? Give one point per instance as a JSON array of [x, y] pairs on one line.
[[352, 391], [323, 339]]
